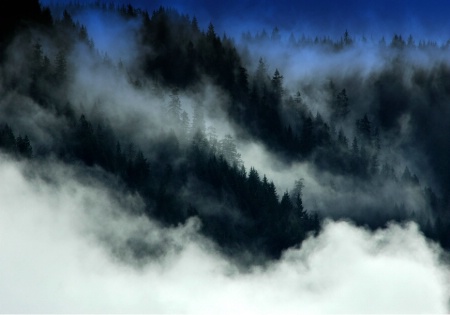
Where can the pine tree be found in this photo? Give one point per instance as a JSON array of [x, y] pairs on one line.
[[277, 85], [212, 140], [7, 139], [341, 106], [60, 67], [342, 139], [261, 77], [174, 108], [307, 141], [286, 205], [36, 60], [275, 34], [347, 39], [211, 33], [374, 165], [299, 209], [298, 187], [198, 120], [229, 151], [364, 129], [194, 25], [355, 147], [185, 124]]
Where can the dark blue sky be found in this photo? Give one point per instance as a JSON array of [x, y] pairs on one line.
[[430, 18]]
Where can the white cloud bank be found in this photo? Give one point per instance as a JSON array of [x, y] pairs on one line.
[[57, 237]]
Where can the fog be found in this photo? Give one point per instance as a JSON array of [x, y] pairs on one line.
[[112, 90], [63, 236], [366, 70], [79, 237], [338, 196], [108, 86]]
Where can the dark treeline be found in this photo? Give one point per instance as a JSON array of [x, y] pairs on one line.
[[345, 41], [182, 181], [249, 215], [179, 180], [18, 146], [188, 172]]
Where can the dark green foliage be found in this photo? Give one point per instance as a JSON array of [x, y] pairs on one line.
[[60, 75], [277, 85], [228, 150], [18, 16], [86, 147], [182, 52], [347, 41], [24, 147], [264, 224], [188, 171], [341, 106], [7, 139], [20, 146], [174, 108], [364, 129], [408, 178], [398, 42], [307, 141]]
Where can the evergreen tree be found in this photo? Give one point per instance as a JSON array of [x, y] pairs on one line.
[[275, 34], [341, 106], [301, 213], [36, 60], [342, 139], [7, 139], [355, 147], [24, 147], [307, 141], [212, 140], [60, 67], [86, 142], [174, 108], [185, 125], [261, 77], [277, 85], [364, 129], [347, 39], [211, 33], [198, 120], [298, 187], [229, 151], [374, 165], [286, 205], [194, 25]]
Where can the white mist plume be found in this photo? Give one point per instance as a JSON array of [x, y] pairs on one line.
[[57, 231]]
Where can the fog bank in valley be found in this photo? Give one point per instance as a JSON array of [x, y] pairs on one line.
[[65, 240]]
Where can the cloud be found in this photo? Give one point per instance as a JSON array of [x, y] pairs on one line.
[[65, 238]]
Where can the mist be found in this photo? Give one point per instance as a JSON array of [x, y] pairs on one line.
[[318, 69], [64, 237], [150, 164]]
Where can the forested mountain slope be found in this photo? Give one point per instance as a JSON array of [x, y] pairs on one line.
[[171, 120]]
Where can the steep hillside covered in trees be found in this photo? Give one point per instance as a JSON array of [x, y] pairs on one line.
[[375, 147]]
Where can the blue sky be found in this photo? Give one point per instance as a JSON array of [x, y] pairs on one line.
[[423, 19]]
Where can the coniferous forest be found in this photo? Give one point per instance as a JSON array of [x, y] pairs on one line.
[[255, 155]]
